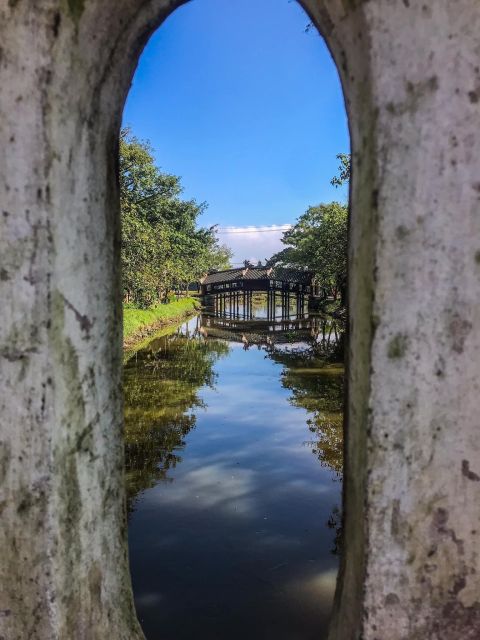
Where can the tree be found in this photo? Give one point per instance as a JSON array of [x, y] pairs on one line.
[[162, 247], [318, 242]]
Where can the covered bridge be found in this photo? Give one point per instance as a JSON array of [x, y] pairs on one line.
[[257, 279], [231, 291]]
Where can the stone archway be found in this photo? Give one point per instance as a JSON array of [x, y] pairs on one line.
[[411, 76]]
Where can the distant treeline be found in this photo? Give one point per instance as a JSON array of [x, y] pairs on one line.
[[163, 249]]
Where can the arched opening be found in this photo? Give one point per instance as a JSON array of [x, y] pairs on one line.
[[235, 527], [410, 78]]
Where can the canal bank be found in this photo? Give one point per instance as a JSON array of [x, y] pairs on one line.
[[139, 324]]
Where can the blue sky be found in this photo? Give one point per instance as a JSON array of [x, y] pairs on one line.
[[247, 108]]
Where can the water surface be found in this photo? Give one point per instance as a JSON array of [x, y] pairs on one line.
[[234, 463]]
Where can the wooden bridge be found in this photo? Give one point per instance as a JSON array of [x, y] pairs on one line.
[[231, 292]]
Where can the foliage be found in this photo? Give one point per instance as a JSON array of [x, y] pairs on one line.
[[344, 170], [162, 247], [135, 319], [318, 242]]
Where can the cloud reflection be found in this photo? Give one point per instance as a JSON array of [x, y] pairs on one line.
[[211, 485]]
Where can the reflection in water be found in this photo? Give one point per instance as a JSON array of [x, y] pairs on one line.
[[232, 524], [317, 386], [161, 389]]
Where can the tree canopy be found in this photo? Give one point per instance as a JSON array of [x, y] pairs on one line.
[[318, 242], [162, 246], [319, 239]]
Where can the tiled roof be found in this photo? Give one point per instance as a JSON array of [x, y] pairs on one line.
[[254, 273], [291, 275], [259, 273], [222, 276]]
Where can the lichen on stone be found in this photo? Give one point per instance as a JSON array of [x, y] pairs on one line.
[[76, 8], [397, 346]]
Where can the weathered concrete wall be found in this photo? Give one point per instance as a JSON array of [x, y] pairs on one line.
[[63, 563], [412, 83], [411, 73]]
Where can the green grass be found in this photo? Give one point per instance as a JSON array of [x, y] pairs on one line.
[[135, 320]]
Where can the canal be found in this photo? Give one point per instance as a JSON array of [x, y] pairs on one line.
[[234, 469]]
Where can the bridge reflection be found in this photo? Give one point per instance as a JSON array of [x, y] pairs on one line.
[[322, 331]]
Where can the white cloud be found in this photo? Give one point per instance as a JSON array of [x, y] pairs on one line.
[[253, 242]]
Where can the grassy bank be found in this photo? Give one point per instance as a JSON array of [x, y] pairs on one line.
[[137, 323]]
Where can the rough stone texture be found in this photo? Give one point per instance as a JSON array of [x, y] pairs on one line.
[[411, 75]]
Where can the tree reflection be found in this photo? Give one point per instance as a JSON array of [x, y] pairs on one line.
[[162, 386], [314, 373], [317, 386], [161, 393]]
